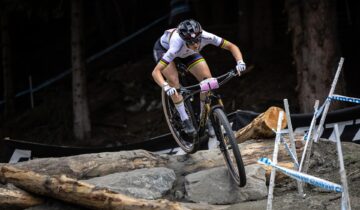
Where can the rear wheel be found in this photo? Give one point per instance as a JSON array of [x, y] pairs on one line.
[[189, 143], [229, 147]]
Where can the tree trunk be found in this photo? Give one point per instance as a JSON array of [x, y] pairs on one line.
[[262, 126], [315, 49], [45, 176], [81, 193], [94, 165], [6, 66], [82, 127], [13, 197]]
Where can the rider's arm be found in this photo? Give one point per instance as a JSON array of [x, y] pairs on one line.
[[235, 51], [210, 38], [157, 75], [167, 58]]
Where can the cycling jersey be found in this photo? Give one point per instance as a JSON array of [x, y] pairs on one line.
[[176, 47]]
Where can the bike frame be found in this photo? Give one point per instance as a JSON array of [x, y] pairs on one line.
[[213, 110], [212, 100]]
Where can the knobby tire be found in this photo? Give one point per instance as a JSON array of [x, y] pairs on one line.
[[229, 147], [189, 144]]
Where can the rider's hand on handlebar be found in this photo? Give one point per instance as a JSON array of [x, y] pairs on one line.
[[168, 89], [240, 67]]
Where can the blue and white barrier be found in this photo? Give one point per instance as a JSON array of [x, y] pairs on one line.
[[304, 177], [308, 144], [327, 102], [275, 156], [291, 154], [292, 144], [345, 98]]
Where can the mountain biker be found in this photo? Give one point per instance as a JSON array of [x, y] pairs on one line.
[[185, 43]]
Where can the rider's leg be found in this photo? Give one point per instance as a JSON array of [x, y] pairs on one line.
[[171, 75], [201, 71], [172, 78]]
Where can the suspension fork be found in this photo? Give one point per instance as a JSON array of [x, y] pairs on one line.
[[217, 128]]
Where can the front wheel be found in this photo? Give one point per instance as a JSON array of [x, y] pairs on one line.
[[189, 143], [229, 146]]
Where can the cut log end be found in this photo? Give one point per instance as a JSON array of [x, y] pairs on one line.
[[262, 126], [271, 117]]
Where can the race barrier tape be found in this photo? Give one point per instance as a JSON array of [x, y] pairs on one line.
[[321, 109], [292, 144], [327, 102], [304, 177], [292, 155], [345, 98]]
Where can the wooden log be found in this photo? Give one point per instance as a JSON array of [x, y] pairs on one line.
[[182, 164], [77, 192], [12, 197], [94, 165], [261, 126]]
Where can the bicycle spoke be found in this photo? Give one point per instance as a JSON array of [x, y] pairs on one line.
[[188, 143], [229, 148]]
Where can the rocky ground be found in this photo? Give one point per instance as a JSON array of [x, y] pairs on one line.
[[200, 181]]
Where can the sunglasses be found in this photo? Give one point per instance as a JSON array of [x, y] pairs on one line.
[[194, 41]]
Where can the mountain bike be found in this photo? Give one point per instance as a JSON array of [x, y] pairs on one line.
[[213, 111]]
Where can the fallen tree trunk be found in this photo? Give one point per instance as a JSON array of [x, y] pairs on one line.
[[108, 163], [73, 191], [13, 197], [261, 126], [93, 165]]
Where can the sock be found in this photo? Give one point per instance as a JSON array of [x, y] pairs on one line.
[[180, 107]]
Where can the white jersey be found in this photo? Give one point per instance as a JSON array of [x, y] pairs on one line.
[[176, 47]]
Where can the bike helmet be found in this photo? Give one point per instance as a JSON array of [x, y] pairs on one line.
[[190, 31]]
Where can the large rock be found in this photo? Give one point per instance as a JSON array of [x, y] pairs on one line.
[[215, 186], [142, 183]]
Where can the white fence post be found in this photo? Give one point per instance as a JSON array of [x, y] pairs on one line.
[[308, 144], [273, 170], [345, 198], [292, 142], [328, 101]]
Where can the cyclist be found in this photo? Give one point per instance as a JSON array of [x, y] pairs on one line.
[[185, 43]]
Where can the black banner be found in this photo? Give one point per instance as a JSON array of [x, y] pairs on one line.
[[347, 119]]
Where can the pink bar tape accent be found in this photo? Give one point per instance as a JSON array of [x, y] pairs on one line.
[[209, 84]]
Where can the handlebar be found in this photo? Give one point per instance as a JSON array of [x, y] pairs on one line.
[[222, 79]]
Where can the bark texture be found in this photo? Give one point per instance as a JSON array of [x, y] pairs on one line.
[[13, 197], [94, 165], [82, 127], [50, 176], [73, 191], [316, 50]]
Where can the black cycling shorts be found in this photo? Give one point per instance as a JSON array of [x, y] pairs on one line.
[[189, 61]]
